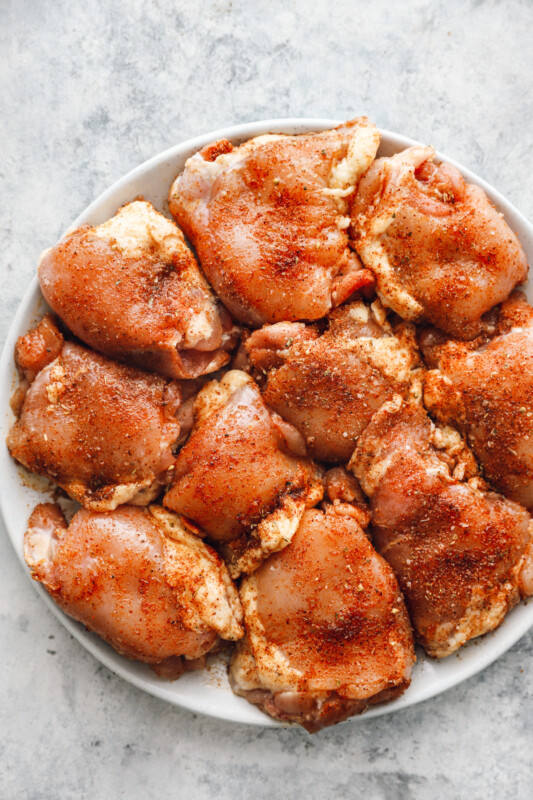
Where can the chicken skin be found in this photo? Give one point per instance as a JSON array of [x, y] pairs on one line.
[[485, 388], [131, 288], [327, 632], [328, 386], [243, 476], [440, 251], [269, 220], [103, 431], [137, 578], [463, 555]]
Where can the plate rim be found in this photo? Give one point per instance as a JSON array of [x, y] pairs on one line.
[[507, 634]]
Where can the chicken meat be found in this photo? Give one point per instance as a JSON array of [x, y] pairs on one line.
[[243, 475], [463, 555], [485, 388], [440, 251], [132, 289], [269, 220], [328, 386], [327, 632], [103, 431], [139, 579]]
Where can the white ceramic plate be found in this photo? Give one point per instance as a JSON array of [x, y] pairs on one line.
[[208, 692]]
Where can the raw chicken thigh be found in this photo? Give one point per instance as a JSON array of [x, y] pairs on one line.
[[463, 555], [327, 633], [438, 248], [269, 220], [103, 431], [485, 388], [131, 288], [328, 386], [243, 476], [296, 234], [139, 579]]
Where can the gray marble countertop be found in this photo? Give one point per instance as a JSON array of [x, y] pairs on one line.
[[90, 90]]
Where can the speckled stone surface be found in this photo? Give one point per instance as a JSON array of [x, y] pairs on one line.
[[89, 90]]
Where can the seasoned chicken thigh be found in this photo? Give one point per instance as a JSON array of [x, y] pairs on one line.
[[139, 579], [243, 476], [104, 432], [269, 220], [485, 388], [463, 555], [327, 633], [438, 248], [131, 288], [328, 386], [38, 348]]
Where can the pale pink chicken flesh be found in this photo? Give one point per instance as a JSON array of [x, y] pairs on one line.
[[293, 232], [268, 220], [131, 288], [327, 630], [328, 386], [242, 476], [122, 575], [103, 431], [485, 388], [462, 554], [440, 251]]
